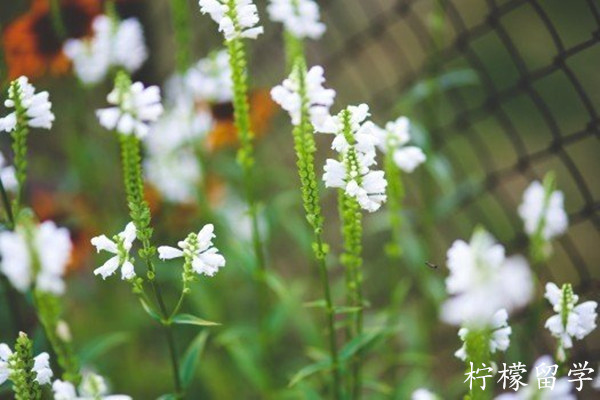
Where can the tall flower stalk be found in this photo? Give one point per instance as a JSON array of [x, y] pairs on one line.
[[129, 129], [360, 188], [237, 20], [294, 96]]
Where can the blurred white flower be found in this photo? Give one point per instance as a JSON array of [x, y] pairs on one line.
[[500, 335], [91, 57], [5, 353], [319, 99], [210, 78], [482, 281], [357, 153], [571, 320], [41, 366], [120, 246], [545, 210], [394, 138], [561, 390], [199, 250], [36, 105], [52, 247], [180, 126], [8, 175], [176, 175], [424, 394], [239, 22], [299, 17], [135, 108], [112, 44], [92, 386]]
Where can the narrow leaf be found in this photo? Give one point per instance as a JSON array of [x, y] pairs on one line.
[[102, 345], [189, 319], [309, 370], [148, 308], [191, 358]]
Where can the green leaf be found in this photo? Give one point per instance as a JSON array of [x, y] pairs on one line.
[[191, 358], [150, 310], [309, 370], [360, 342], [189, 319], [102, 345]]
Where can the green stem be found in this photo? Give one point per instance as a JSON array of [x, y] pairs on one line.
[[181, 23], [57, 19], [140, 214], [245, 157], [395, 196]]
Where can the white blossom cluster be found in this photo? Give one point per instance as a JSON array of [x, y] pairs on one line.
[[113, 44], [543, 210], [288, 96], [423, 394], [38, 108], [205, 258], [234, 22], [209, 80], [394, 138], [38, 255], [120, 246], [171, 164], [299, 17], [134, 108], [571, 320], [483, 280], [41, 365], [353, 173], [92, 386], [499, 339]]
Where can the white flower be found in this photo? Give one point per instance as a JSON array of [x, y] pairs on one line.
[[596, 382], [423, 394], [175, 175], [112, 44], [500, 335], [351, 173], [199, 249], [237, 23], [370, 193], [482, 281], [210, 79], [41, 366], [52, 247], [538, 207], [562, 389], [571, 320], [92, 387], [37, 107], [394, 138], [180, 126], [119, 246], [299, 17], [129, 48], [135, 108], [319, 99], [5, 353], [8, 175]]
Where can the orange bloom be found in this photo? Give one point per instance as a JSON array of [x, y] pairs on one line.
[[224, 133], [32, 46]]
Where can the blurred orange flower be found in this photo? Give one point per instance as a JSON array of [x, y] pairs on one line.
[[224, 133], [33, 47]]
